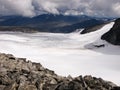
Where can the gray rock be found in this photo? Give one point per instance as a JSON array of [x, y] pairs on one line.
[[3, 71], [12, 86], [28, 87], [2, 87], [19, 74], [53, 81]]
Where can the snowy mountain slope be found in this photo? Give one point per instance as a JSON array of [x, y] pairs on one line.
[[66, 54], [94, 37], [113, 35]]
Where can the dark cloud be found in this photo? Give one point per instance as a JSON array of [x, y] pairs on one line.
[[74, 7]]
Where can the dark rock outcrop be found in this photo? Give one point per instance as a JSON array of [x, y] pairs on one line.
[[19, 74], [113, 36]]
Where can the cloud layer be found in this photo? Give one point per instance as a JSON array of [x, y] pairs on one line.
[[68, 7]]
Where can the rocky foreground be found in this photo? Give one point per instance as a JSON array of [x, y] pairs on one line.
[[19, 74]]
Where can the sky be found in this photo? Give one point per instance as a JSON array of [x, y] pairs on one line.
[[30, 8]]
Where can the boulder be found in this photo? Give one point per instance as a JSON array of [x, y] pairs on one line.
[[12, 86], [2, 87]]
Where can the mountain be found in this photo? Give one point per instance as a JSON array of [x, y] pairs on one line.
[[113, 36], [52, 23], [81, 25], [44, 18]]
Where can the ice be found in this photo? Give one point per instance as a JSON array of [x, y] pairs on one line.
[[66, 54]]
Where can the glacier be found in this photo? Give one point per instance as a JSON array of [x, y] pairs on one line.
[[67, 54]]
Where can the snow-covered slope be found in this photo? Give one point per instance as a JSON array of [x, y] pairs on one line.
[[66, 54], [93, 37]]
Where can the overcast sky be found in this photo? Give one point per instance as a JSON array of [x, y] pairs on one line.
[[107, 8]]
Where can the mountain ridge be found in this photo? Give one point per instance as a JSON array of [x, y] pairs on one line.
[[52, 23], [113, 35]]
